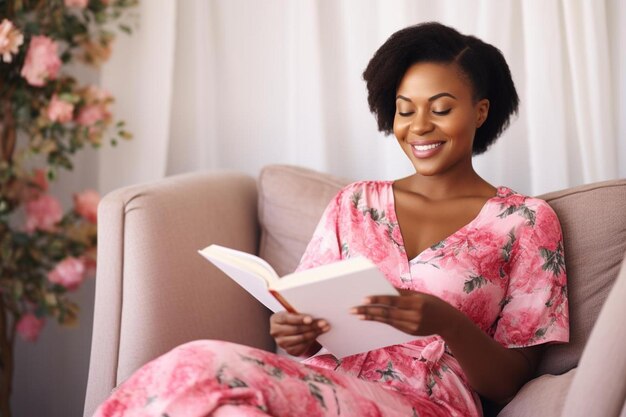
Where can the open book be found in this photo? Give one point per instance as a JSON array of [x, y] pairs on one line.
[[326, 292]]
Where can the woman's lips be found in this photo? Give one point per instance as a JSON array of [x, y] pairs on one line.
[[426, 150]]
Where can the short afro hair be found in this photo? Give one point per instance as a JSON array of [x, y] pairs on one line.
[[483, 64]]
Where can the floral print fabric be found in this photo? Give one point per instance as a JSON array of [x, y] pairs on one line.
[[504, 269]]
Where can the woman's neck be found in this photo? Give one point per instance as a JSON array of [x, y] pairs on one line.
[[454, 183]]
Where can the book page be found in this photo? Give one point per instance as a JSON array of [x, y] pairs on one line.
[[248, 274], [331, 298]]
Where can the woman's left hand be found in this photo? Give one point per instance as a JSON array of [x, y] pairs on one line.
[[412, 312]]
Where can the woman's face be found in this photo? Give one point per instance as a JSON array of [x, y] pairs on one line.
[[436, 117]]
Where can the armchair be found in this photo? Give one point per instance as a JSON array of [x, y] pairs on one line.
[[155, 292]]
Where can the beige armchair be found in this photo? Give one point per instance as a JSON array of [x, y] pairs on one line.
[[154, 291]]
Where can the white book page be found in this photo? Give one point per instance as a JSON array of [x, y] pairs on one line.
[[331, 299], [246, 276]]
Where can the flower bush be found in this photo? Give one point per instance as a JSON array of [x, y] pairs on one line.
[[46, 116]]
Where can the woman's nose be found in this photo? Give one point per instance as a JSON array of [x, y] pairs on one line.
[[421, 123]]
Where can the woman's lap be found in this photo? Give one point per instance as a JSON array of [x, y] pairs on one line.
[[205, 378]]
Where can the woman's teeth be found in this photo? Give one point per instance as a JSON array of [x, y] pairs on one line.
[[422, 148]]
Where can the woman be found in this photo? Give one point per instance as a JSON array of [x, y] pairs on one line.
[[480, 268]]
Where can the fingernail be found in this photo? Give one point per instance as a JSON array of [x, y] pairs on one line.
[[307, 320], [326, 328], [354, 310], [361, 317], [367, 300], [322, 323]]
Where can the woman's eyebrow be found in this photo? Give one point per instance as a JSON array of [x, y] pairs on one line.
[[433, 98], [436, 96]]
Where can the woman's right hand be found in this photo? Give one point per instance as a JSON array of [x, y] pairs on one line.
[[296, 333]]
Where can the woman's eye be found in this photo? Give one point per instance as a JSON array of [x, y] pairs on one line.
[[404, 114], [441, 113]]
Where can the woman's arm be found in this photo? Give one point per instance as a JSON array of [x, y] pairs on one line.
[[494, 371]]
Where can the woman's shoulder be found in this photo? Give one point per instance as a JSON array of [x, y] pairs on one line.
[[509, 197], [366, 187], [529, 211]]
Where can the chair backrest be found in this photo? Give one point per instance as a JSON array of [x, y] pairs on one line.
[[593, 218]]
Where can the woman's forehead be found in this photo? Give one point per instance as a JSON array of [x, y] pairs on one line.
[[424, 80]]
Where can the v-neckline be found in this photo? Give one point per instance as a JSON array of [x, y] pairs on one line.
[[499, 192]]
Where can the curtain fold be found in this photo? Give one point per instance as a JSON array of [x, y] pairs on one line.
[[140, 77], [238, 84]]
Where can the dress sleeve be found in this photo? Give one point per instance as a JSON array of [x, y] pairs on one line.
[[535, 308], [325, 247]]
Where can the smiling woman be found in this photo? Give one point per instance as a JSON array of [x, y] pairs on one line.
[[479, 268]]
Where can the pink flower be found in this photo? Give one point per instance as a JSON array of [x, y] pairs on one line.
[[43, 213], [10, 40], [42, 62], [59, 110], [29, 327], [81, 4], [40, 178], [94, 94], [518, 327], [547, 228], [86, 204], [70, 273], [91, 114]]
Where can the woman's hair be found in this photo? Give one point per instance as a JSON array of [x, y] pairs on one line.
[[483, 64]]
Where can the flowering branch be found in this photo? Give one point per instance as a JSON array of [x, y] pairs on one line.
[[46, 116]]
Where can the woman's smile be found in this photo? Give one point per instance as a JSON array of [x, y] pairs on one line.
[[426, 149]]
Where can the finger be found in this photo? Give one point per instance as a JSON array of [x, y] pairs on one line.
[[296, 350], [298, 339], [385, 312], [400, 301], [278, 330], [292, 318], [409, 327]]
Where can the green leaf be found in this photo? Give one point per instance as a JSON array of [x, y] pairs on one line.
[[473, 283], [125, 28]]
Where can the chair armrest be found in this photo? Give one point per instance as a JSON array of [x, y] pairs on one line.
[[600, 384], [153, 290], [542, 396]]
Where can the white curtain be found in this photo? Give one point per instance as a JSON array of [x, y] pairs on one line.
[[239, 84]]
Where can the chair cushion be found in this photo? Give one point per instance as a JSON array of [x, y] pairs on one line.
[[542, 396], [593, 219], [291, 202]]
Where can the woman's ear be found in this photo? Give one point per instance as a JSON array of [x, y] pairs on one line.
[[482, 111]]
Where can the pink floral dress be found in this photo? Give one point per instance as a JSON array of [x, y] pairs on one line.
[[504, 269]]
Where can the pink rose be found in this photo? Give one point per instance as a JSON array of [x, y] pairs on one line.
[[81, 4], [86, 204], [43, 213], [70, 273], [59, 110], [42, 62], [91, 114], [41, 179], [94, 94], [547, 228], [10, 40], [518, 327], [29, 327]]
